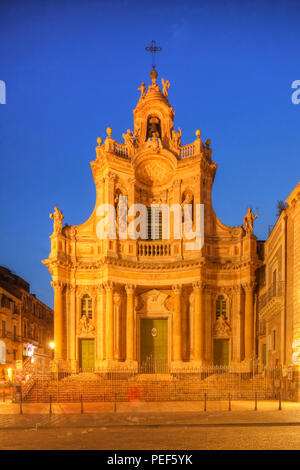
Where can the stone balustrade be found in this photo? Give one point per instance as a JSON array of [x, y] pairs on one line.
[[154, 249]]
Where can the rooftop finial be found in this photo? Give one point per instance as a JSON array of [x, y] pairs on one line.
[[153, 49]]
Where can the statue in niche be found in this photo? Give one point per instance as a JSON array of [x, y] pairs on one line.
[[86, 325], [188, 216], [166, 85], [142, 89], [121, 213], [176, 137], [248, 221], [129, 141], [57, 217]]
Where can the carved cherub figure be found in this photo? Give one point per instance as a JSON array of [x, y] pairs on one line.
[[142, 89], [248, 220], [57, 217], [166, 85]]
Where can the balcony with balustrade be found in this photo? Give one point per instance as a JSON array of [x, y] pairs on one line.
[[274, 295]]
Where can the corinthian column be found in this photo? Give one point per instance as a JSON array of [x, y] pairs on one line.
[[109, 317], [58, 319], [177, 352], [249, 320], [130, 323], [198, 323], [99, 339]]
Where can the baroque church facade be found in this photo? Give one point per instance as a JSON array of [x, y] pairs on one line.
[[123, 302]]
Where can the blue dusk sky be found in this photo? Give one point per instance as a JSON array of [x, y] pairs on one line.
[[72, 68]]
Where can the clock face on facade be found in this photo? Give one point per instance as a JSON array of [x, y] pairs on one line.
[[154, 332]]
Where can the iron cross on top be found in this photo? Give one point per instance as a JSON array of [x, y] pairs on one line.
[[153, 49]]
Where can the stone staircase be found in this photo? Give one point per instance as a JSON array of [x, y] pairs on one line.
[[93, 387]]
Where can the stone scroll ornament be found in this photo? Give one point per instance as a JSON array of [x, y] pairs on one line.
[[57, 217]]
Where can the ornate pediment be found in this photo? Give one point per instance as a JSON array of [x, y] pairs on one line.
[[154, 302], [222, 328]]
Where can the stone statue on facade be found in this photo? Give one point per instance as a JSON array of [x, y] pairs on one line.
[[166, 85], [142, 89], [176, 137], [57, 217], [129, 141], [248, 221], [86, 325]]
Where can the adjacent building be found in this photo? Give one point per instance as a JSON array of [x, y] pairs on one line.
[[26, 323]]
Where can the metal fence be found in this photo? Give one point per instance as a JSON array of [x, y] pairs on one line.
[[188, 384]]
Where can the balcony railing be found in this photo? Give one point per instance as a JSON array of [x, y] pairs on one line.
[[276, 290], [10, 335], [120, 150], [154, 249], [187, 151]]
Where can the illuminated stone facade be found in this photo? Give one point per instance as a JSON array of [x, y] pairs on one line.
[[278, 299], [106, 290]]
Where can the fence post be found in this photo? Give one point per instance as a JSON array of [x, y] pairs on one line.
[[255, 406], [115, 403], [50, 405], [21, 407], [3, 396], [229, 402], [81, 405], [205, 401], [279, 404]]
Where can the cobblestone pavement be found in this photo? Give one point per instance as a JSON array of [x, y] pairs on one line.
[[171, 425], [166, 438]]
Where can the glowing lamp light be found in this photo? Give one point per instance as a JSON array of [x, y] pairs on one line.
[[52, 345], [9, 373]]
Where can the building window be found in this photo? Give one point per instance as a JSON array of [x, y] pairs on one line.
[[275, 283], [274, 340], [154, 223], [3, 329], [86, 306], [221, 307], [15, 354], [15, 333]]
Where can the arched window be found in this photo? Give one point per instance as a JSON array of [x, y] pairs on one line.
[[221, 306], [86, 306]]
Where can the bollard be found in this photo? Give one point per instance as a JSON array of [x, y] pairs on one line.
[[21, 407], [3, 396], [81, 405], [115, 405], [50, 405], [279, 404], [205, 401], [229, 402], [255, 406]]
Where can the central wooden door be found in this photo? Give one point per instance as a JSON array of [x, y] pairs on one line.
[[221, 352], [154, 346], [86, 354]]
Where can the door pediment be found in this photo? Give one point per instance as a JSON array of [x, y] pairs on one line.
[[153, 302]]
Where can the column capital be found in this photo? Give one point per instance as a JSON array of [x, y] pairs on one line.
[[100, 288], [177, 289], [198, 285], [130, 288], [249, 286], [58, 285], [108, 286]]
